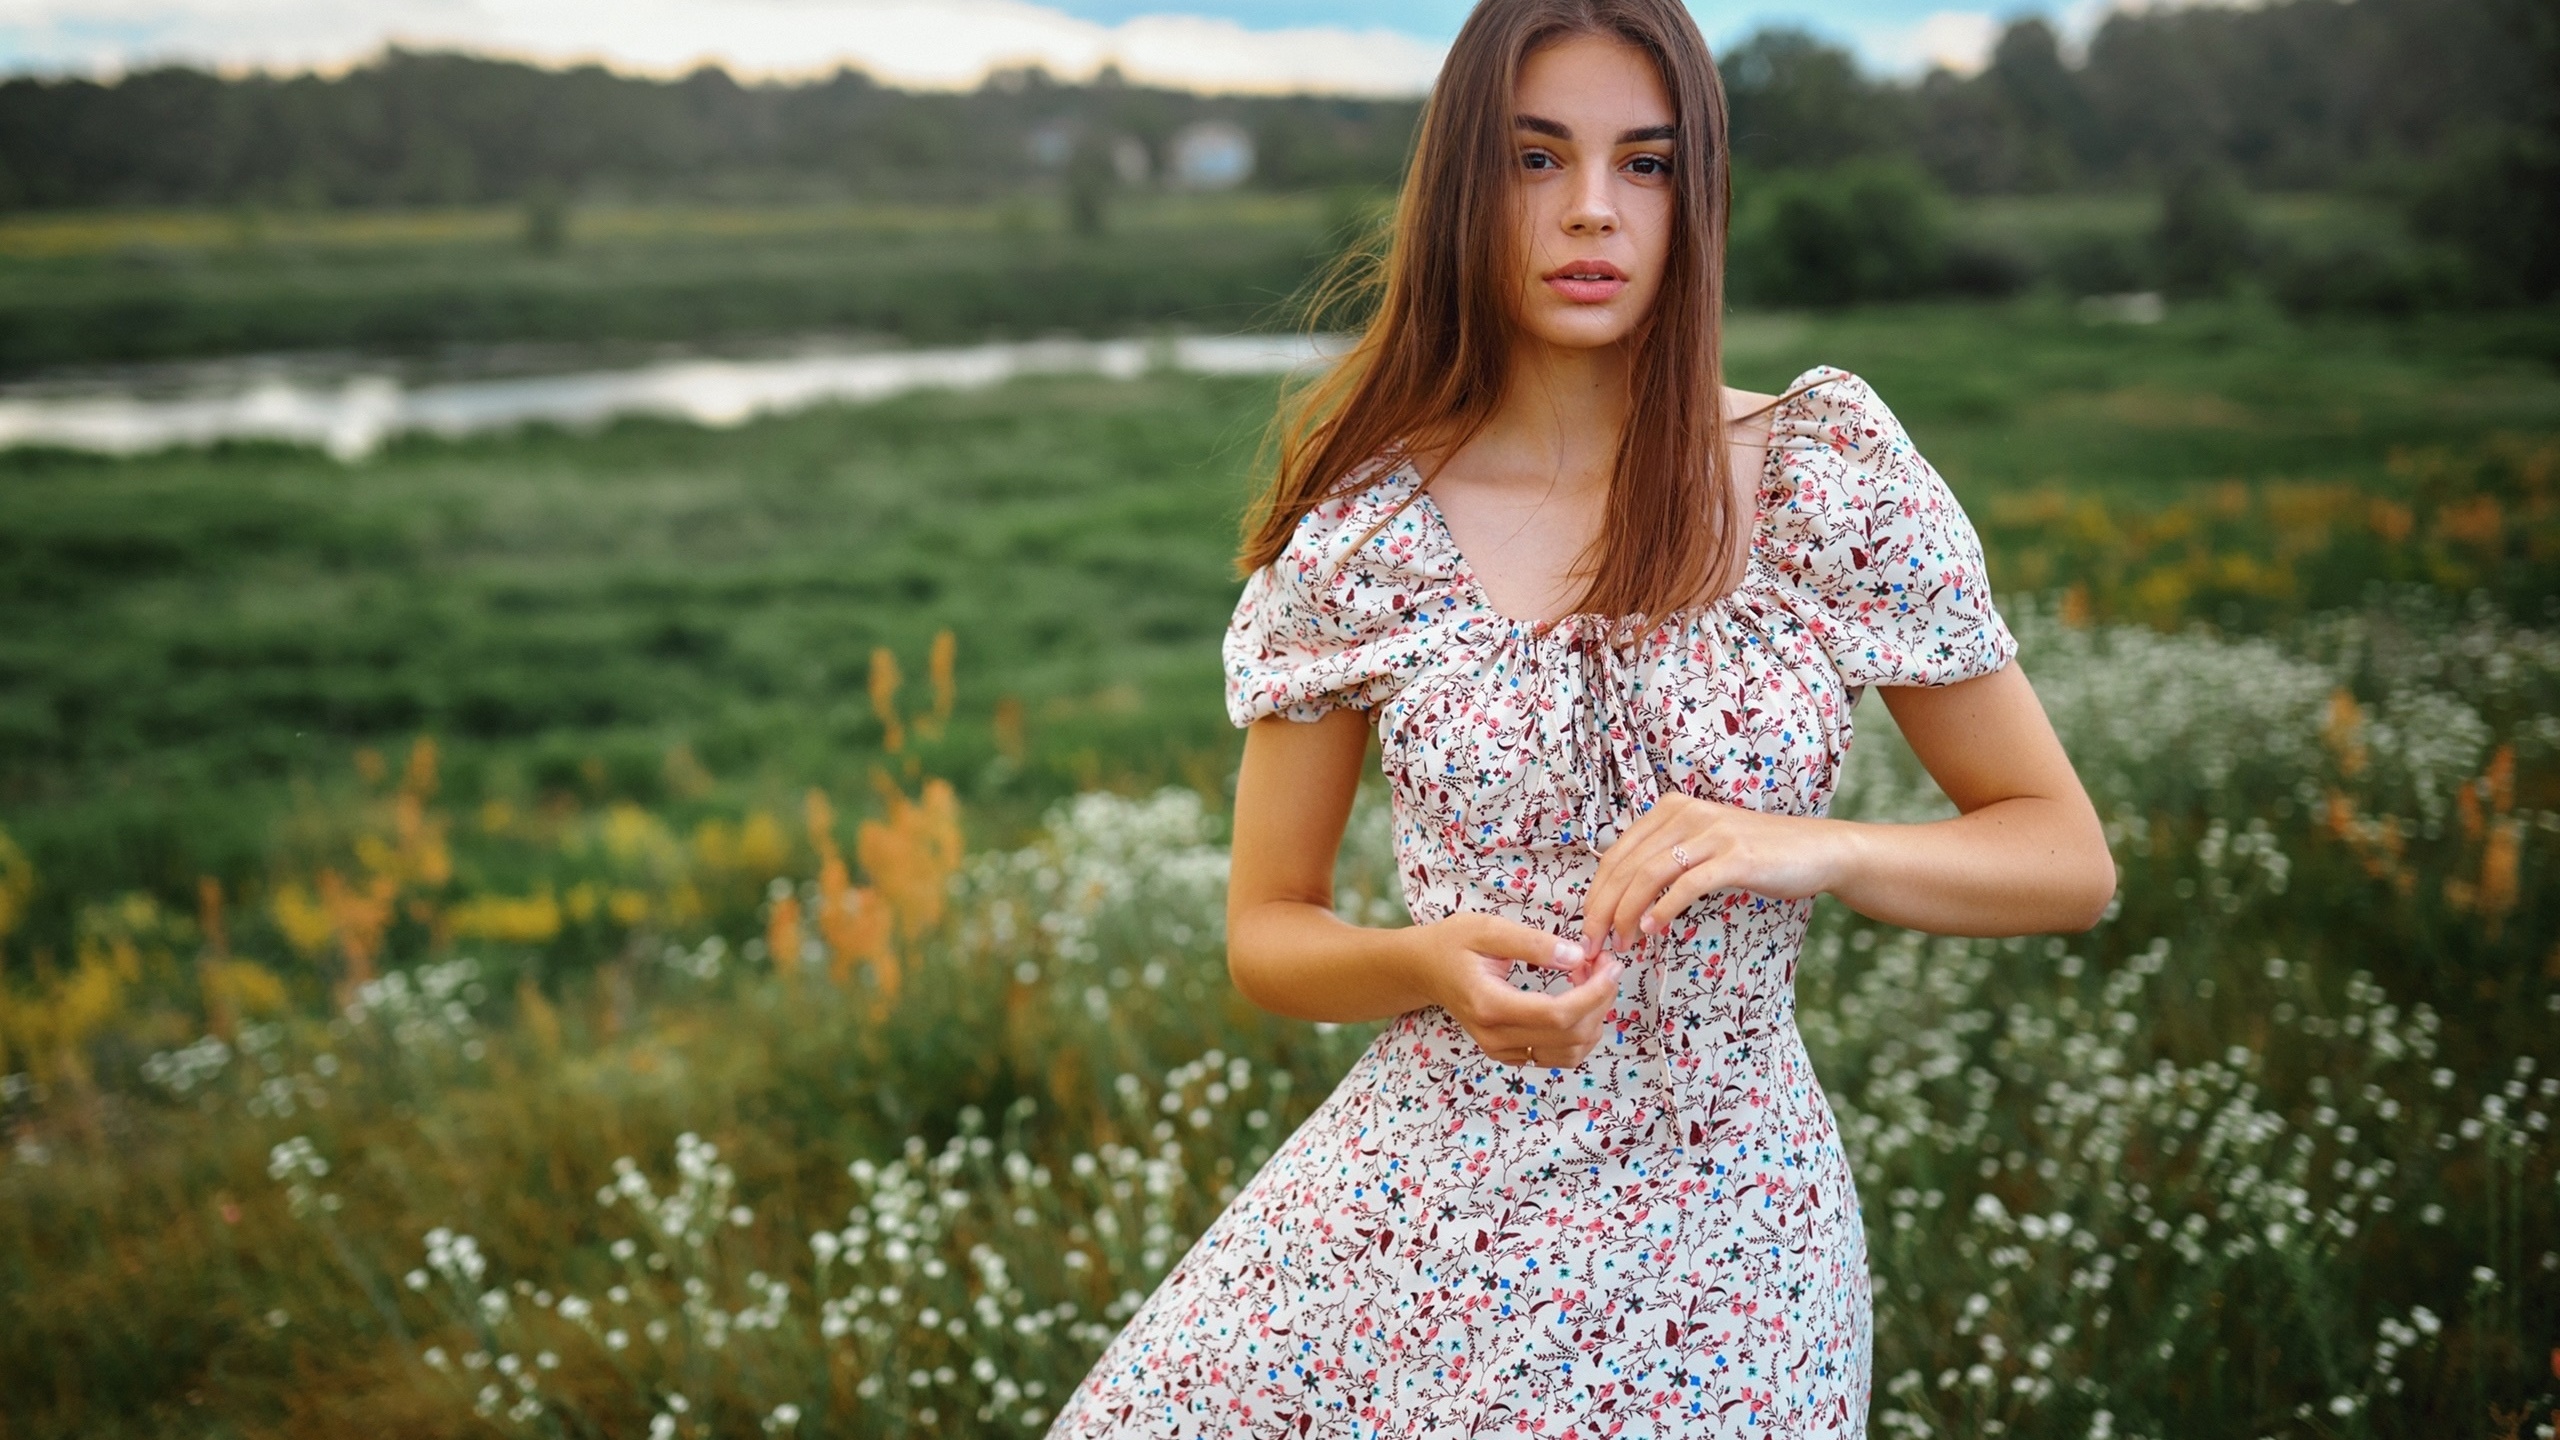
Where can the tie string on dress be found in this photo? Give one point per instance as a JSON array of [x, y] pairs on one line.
[[1608, 774]]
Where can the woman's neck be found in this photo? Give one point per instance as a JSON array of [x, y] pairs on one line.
[[1560, 417]]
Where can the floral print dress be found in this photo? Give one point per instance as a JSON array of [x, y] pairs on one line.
[[1663, 1241]]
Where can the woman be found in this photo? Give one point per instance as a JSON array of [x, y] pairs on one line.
[[1608, 620]]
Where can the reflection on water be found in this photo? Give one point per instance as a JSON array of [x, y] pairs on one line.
[[350, 416]]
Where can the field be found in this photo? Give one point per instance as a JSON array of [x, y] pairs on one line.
[[543, 933], [105, 289], [186, 637], [498, 286]]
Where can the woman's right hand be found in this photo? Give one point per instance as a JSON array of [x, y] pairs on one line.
[[1289, 953], [1463, 962]]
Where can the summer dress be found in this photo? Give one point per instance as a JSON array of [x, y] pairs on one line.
[[1664, 1241]]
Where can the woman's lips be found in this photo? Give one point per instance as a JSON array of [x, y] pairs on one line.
[[1586, 282]]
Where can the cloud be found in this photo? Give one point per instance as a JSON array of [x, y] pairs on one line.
[[930, 43], [1958, 40]]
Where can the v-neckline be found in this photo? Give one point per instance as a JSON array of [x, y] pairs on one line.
[[1473, 583]]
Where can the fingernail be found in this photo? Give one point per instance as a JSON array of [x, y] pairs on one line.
[[1647, 925], [1568, 953]]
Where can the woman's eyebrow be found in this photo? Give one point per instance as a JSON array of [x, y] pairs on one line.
[[1541, 125]]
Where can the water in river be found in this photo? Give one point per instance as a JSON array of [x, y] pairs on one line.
[[350, 414]]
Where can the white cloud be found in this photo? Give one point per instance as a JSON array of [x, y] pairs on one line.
[[935, 43], [1958, 40]]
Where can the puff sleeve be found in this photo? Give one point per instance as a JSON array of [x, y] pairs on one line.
[[1345, 615], [1870, 536]]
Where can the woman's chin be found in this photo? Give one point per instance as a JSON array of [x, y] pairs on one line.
[[1584, 327]]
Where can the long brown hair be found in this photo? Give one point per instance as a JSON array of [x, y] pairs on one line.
[[1434, 357]]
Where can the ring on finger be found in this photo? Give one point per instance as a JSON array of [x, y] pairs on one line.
[[1680, 857]]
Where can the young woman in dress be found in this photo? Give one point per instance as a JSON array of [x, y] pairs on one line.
[[1607, 619]]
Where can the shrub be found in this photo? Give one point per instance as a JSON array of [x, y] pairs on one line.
[[1985, 269], [2098, 263], [2364, 274], [1862, 231], [2204, 242], [2496, 199]]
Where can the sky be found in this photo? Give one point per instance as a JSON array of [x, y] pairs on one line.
[[1350, 46]]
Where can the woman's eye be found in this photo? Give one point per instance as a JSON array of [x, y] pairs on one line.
[[1649, 165], [1537, 160]]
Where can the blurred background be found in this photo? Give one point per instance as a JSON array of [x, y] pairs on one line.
[[611, 760]]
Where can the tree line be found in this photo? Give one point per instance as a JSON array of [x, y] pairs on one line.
[[2447, 110], [2291, 95], [414, 128], [2445, 113], [2296, 94]]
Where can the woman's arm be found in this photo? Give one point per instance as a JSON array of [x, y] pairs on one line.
[[2025, 855], [1289, 953]]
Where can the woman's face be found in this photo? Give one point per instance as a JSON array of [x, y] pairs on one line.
[[1593, 139]]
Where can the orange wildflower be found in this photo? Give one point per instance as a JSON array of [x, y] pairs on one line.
[[884, 700], [782, 938], [2343, 731], [940, 667]]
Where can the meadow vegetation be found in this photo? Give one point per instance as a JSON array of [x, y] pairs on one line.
[[469, 289], [857, 1133], [193, 642], [104, 288], [668, 931]]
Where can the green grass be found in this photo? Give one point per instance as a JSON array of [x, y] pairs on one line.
[[204, 629], [2041, 224], [2006, 397], [156, 287]]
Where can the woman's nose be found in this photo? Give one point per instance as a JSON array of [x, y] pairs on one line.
[[1591, 214]]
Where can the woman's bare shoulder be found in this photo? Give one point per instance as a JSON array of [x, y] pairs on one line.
[[1748, 407]]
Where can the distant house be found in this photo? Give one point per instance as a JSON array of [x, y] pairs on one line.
[[1051, 144], [1211, 155], [1129, 159]]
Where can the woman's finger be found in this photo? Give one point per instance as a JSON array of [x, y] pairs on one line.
[[1510, 940], [1545, 1059], [1601, 905], [1696, 884], [1639, 867], [1554, 1050], [1577, 1006], [1647, 876], [1562, 1029], [1502, 1009], [1636, 841], [1653, 874], [1529, 1014]]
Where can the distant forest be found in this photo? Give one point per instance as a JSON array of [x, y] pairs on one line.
[[2301, 94], [2434, 123]]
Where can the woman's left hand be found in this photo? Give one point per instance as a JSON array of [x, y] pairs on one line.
[[1684, 848]]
